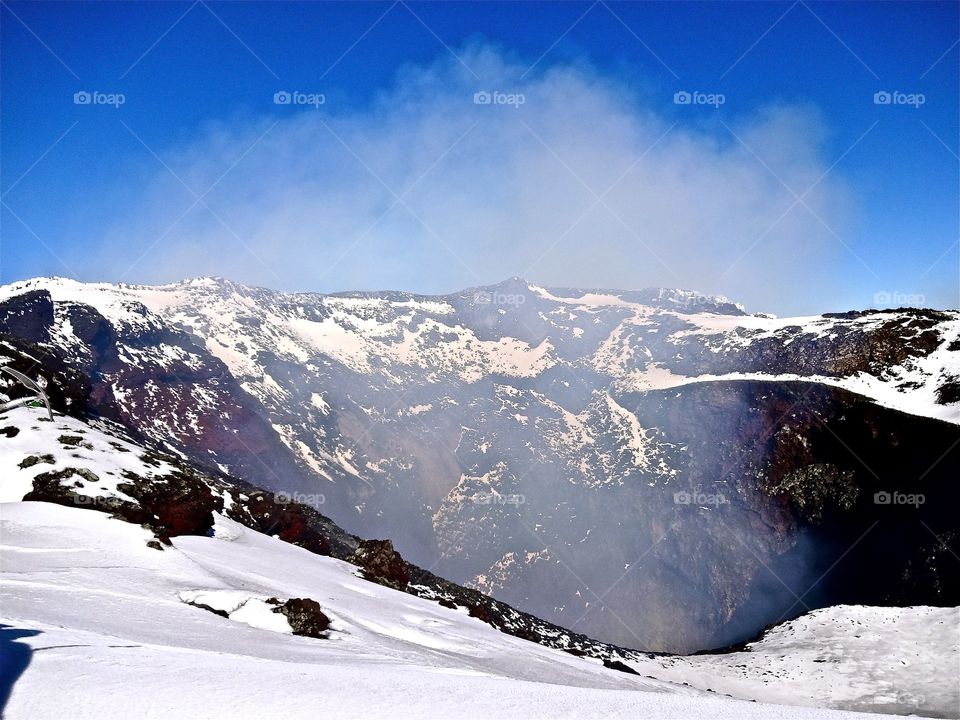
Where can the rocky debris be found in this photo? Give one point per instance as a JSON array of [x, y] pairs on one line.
[[89, 475], [305, 617], [949, 391], [49, 481], [381, 563], [50, 487], [621, 667], [32, 460], [9, 431], [204, 606], [509, 620], [291, 522], [180, 505], [183, 502]]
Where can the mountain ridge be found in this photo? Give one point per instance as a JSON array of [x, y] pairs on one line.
[[473, 433]]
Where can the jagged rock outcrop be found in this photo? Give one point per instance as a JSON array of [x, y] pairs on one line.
[[381, 563]]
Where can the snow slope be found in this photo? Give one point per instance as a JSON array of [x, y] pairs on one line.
[[885, 659], [113, 625], [68, 443], [111, 638]]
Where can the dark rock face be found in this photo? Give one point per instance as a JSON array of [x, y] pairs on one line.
[[776, 485], [949, 392], [215, 611], [67, 388], [380, 562], [803, 475], [305, 617], [174, 384], [28, 316], [849, 349], [182, 504], [291, 522]]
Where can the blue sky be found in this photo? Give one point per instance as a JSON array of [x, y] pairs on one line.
[[305, 197]]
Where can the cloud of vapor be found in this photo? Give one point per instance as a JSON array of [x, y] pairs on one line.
[[583, 184]]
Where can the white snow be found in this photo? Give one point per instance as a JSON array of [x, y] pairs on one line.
[[114, 639], [419, 409], [419, 338], [107, 456], [240, 606], [919, 400], [635, 437], [589, 300], [113, 632], [891, 660]]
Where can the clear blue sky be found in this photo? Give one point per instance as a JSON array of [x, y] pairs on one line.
[[187, 69]]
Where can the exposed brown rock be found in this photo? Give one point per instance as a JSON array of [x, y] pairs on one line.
[[381, 563], [305, 617]]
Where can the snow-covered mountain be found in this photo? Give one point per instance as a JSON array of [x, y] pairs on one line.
[[654, 468], [136, 585]]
